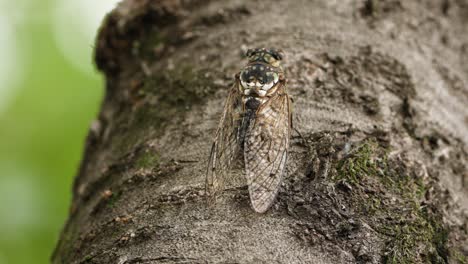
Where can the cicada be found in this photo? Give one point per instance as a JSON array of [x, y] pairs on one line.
[[255, 127]]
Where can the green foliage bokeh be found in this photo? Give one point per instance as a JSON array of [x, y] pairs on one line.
[[42, 133]]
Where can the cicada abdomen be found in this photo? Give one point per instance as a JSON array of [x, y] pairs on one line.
[[256, 123]]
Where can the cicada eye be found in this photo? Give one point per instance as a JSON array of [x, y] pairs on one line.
[[249, 52], [278, 54]]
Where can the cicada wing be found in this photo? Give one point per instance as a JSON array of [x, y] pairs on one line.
[[225, 146], [266, 150]]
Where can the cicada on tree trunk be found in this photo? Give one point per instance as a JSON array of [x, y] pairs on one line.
[[255, 125]]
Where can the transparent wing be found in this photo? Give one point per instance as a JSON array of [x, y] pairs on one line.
[[266, 150], [225, 146]]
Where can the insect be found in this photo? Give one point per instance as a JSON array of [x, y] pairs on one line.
[[255, 127]]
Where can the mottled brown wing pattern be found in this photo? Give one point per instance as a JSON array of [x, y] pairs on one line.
[[225, 147], [266, 149]]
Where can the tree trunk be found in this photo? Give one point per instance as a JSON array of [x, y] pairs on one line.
[[377, 168]]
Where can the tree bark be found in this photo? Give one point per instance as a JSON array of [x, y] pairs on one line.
[[377, 170]]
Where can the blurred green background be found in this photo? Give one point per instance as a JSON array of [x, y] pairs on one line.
[[49, 95]]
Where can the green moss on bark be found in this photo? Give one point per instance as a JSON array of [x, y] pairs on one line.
[[391, 194], [148, 160]]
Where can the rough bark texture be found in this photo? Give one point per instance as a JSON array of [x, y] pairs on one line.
[[377, 174]]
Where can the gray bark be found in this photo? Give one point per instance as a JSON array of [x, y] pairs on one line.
[[377, 168]]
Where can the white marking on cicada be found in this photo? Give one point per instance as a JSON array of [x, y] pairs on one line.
[[261, 100], [261, 92], [258, 92], [267, 86], [251, 84]]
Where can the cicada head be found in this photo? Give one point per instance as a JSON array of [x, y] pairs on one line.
[[262, 72], [273, 57]]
